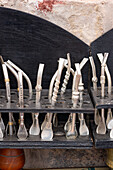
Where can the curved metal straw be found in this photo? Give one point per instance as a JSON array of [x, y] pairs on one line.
[[109, 113], [55, 75], [83, 62], [109, 121], [83, 129], [6, 77], [47, 132], [16, 76], [66, 79], [65, 82], [69, 121], [24, 74], [12, 70], [35, 129], [69, 69], [94, 80], [57, 81], [72, 132], [101, 128], [22, 131]]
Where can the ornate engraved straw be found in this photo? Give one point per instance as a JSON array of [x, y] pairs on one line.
[[66, 79], [83, 129], [23, 73], [109, 113], [5, 72], [101, 128], [72, 132], [56, 88], [22, 131], [35, 129], [94, 78], [83, 62]]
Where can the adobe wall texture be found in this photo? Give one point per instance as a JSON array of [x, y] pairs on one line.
[[86, 19]]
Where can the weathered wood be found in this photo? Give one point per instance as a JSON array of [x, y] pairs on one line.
[[62, 158]]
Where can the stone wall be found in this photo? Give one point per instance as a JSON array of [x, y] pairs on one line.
[[86, 19]]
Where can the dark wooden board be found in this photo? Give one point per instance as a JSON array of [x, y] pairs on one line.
[[63, 105], [33, 142], [64, 158], [28, 40], [101, 141], [58, 142], [99, 102], [101, 45]]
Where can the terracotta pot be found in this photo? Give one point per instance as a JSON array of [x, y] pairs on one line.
[[11, 159]]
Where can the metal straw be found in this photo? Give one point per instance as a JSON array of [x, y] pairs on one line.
[[83, 62], [47, 132], [72, 132], [35, 129], [94, 80], [22, 131], [24, 75], [10, 125], [83, 129], [109, 113], [101, 128]]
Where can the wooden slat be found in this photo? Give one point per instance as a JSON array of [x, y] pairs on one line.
[[64, 158]]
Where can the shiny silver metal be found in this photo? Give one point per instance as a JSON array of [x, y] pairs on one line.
[[80, 87], [10, 125], [97, 117], [109, 113], [35, 129], [47, 132], [101, 57], [46, 125], [59, 73], [24, 75], [65, 82], [49, 96], [83, 62], [55, 120], [2, 127], [46, 119], [72, 132], [101, 128], [83, 129], [94, 80], [68, 123], [12, 70], [22, 131], [66, 79]]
